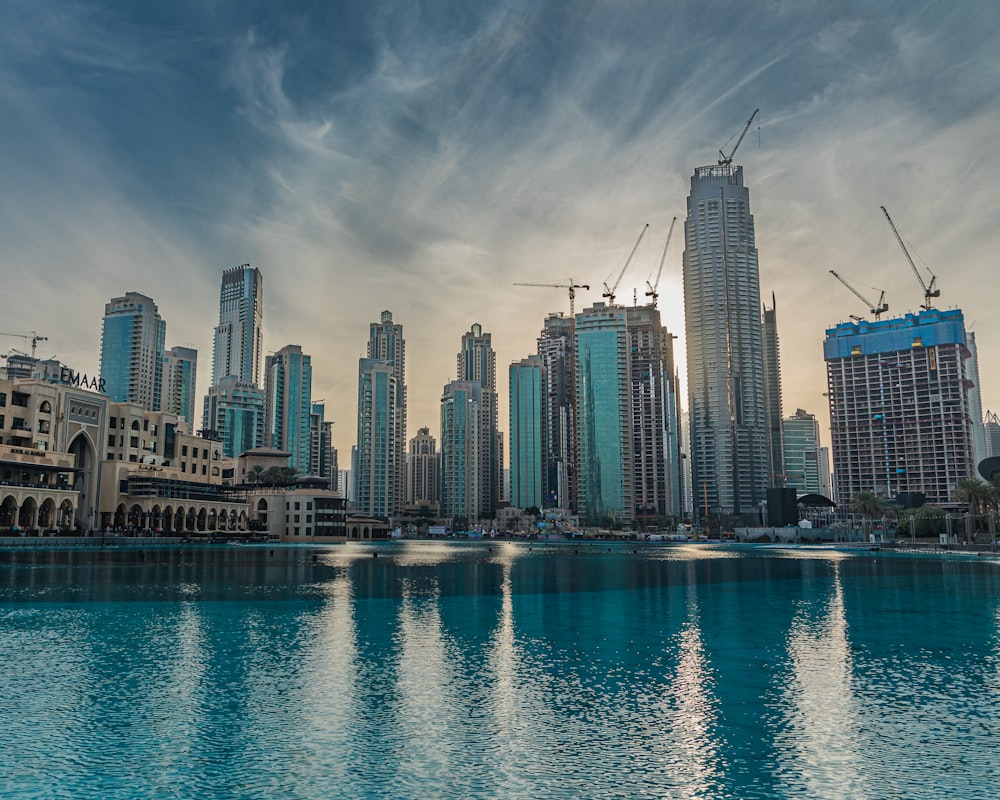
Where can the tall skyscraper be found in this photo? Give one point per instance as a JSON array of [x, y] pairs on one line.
[[322, 453], [654, 418], [899, 406], [374, 471], [132, 342], [423, 486], [288, 404], [234, 413], [802, 470], [238, 336], [991, 425], [386, 343], [477, 362], [557, 350], [730, 456], [605, 486], [462, 456], [527, 433], [772, 393], [180, 374], [979, 449]]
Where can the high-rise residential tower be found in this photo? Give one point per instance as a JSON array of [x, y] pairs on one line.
[[477, 362], [132, 342], [979, 450], [527, 433], [386, 343], [234, 415], [374, 471], [730, 456], [322, 453], [772, 392], [424, 471], [899, 406], [180, 374], [288, 405], [557, 350], [238, 336], [605, 485], [802, 453], [462, 458]]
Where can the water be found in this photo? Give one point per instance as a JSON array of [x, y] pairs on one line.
[[497, 671]]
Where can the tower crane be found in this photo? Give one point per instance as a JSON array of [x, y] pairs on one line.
[[930, 291], [724, 160], [33, 337], [572, 285], [877, 309], [651, 292], [610, 292]]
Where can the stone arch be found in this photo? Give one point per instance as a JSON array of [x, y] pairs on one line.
[[47, 514], [213, 519], [45, 407], [121, 515], [190, 519], [232, 519], [202, 519], [66, 514], [135, 425], [261, 511], [8, 511], [136, 517], [27, 514], [85, 460], [155, 518], [243, 521], [178, 519]]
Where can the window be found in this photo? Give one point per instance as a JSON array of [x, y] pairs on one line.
[[184, 466], [145, 424], [114, 423], [204, 453], [3, 399], [111, 437], [184, 450]]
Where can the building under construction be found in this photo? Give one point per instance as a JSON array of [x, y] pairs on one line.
[[899, 406]]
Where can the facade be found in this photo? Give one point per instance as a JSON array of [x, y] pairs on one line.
[[730, 455], [132, 342], [323, 455], [605, 486], [288, 405], [423, 486], [654, 416], [979, 449], [386, 343], [772, 393], [234, 415], [899, 406], [374, 471], [528, 485], [802, 453], [180, 374], [477, 362], [557, 350], [238, 336], [991, 426], [462, 456]]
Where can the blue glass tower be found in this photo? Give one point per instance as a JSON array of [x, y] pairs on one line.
[[132, 342], [374, 468], [527, 433], [288, 404]]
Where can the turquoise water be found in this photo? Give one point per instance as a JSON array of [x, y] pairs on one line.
[[498, 671]]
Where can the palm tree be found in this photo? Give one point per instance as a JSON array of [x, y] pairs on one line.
[[869, 505], [255, 474], [975, 493], [272, 476]]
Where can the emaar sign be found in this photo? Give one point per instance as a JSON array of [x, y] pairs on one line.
[[79, 379]]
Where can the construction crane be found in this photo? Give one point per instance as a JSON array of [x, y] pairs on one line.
[[877, 309], [724, 160], [33, 337], [610, 293], [930, 291], [651, 291], [572, 285]]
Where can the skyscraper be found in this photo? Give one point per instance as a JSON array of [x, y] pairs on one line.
[[462, 456], [374, 472], [605, 485], [386, 343], [730, 457], [802, 453], [654, 418], [180, 374], [557, 350], [527, 433], [979, 447], [424, 469], [238, 336], [132, 342], [234, 413], [477, 362], [288, 404], [899, 406], [322, 453], [772, 393]]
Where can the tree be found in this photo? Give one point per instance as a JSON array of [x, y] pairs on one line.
[[255, 474], [869, 505], [975, 493]]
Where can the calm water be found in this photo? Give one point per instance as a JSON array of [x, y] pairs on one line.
[[498, 671]]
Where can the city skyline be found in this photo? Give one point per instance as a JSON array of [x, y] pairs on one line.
[[378, 160]]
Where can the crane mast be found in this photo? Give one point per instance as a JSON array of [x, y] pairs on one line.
[[32, 337], [724, 160], [876, 309], [610, 293], [653, 287], [929, 289]]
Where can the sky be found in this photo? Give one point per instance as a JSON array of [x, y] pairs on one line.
[[422, 156]]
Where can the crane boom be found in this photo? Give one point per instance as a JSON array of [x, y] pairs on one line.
[[32, 337], [572, 285], [876, 309], [652, 288], [929, 289], [724, 160], [610, 293]]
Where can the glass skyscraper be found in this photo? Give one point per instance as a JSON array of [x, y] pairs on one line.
[[238, 336], [180, 373], [461, 454], [374, 472], [557, 350], [132, 342], [527, 433], [730, 455], [477, 362], [386, 343], [288, 404]]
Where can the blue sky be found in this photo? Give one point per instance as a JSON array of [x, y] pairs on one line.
[[422, 157]]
